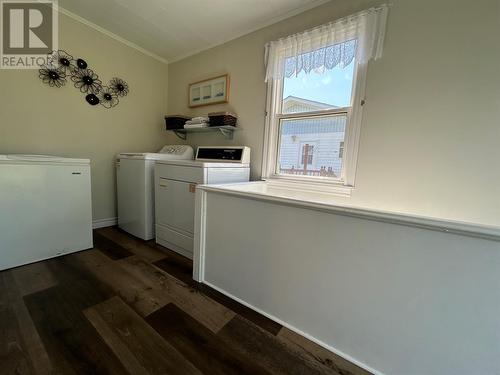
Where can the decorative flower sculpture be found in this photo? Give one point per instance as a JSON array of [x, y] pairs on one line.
[[107, 97], [52, 76], [60, 59], [81, 64], [92, 99], [60, 65], [119, 86], [87, 81]]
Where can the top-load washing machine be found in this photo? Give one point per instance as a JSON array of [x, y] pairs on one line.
[[175, 185], [135, 188]]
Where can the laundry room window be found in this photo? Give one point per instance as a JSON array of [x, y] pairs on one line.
[[315, 98]]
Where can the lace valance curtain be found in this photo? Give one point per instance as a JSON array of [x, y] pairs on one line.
[[337, 43]]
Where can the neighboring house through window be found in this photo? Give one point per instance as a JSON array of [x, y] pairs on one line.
[[307, 155], [315, 97], [324, 134]]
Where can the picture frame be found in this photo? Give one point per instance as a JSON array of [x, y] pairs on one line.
[[213, 90]]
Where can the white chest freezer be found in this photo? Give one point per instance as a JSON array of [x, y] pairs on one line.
[[45, 208]]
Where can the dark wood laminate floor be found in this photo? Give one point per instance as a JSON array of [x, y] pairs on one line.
[[131, 307]]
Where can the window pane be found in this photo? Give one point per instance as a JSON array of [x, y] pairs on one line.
[[312, 146], [316, 91]]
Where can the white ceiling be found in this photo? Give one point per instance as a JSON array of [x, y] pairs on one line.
[[173, 29]]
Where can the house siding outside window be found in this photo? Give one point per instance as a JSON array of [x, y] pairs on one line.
[[324, 134]]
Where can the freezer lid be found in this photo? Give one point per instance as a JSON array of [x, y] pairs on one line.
[[28, 158]]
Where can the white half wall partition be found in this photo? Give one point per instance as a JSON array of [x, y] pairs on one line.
[[393, 293]]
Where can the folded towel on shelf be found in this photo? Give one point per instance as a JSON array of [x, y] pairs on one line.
[[194, 126], [198, 120]]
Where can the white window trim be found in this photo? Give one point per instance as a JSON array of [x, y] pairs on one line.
[[346, 183]]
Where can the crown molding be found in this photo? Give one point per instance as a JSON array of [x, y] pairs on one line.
[[108, 33], [272, 21]]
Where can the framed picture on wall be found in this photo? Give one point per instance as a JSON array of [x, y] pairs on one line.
[[210, 91]]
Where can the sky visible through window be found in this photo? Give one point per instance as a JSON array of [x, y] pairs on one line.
[[333, 87]]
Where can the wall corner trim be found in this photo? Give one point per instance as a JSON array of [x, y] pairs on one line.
[[110, 34]]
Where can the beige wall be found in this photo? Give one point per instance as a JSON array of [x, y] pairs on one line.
[[430, 132], [36, 118]]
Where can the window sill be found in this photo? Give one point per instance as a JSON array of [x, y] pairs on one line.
[[303, 185]]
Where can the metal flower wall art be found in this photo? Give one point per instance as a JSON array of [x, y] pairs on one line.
[[62, 66]]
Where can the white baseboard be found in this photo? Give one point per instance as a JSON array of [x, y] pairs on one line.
[[296, 330], [101, 223], [174, 247]]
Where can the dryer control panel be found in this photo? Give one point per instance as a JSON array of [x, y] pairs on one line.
[[231, 154]]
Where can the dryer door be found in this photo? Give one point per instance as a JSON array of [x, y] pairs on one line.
[[175, 205]]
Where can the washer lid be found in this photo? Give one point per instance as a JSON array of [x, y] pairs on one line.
[[132, 155], [168, 152], [148, 156]]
